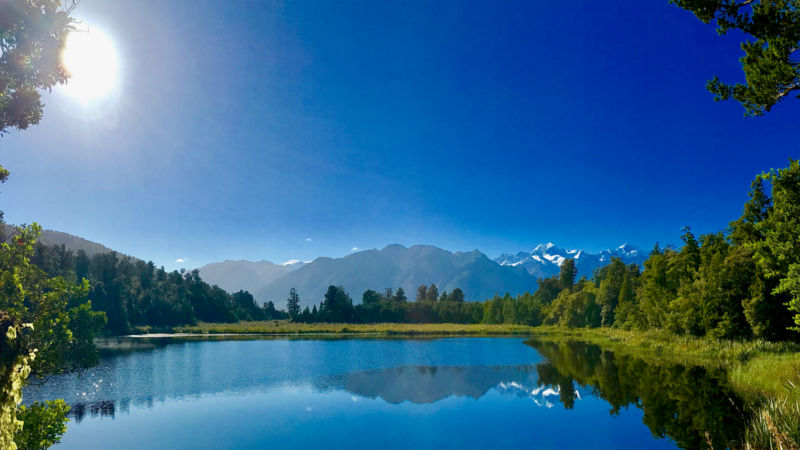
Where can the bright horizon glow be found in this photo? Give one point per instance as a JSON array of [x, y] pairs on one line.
[[91, 59]]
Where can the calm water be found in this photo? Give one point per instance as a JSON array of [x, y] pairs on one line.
[[364, 393]]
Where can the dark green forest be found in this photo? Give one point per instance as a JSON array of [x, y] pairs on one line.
[[134, 293], [742, 282]]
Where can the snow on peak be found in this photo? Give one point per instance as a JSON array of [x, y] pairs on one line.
[[290, 262], [555, 259], [546, 259], [543, 247]]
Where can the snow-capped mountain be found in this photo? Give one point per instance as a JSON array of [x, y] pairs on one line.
[[543, 395], [545, 260]]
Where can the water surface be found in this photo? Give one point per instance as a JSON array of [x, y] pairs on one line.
[[380, 393]]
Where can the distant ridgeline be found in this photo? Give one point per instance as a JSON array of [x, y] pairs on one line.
[[744, 282], [741, 283], [136, 293], [408, 267]]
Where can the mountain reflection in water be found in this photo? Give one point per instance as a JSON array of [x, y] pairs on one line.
[[416, 384], [429, 384], [312, 382]]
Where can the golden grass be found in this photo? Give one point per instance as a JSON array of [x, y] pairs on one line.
[[282, 327]]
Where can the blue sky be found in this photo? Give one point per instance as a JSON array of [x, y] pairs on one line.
[[269, 130]]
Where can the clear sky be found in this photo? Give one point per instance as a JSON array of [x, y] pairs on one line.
[[281, 130]]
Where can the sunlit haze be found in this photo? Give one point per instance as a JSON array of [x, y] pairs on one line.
[[293, 130], [91, 60]]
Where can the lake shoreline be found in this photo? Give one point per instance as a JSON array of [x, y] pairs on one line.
[[757, 368]]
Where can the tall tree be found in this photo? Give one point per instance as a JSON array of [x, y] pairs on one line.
[[778, 254], [293, 304], [337, 306], [771, 61], [400, 296], [432, 294], [567, 274], [422, 292]]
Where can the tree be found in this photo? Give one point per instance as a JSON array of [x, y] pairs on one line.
[[370, 298], [293, 304], [46, 326], [432, 294], [771, 61], [566, 276], [37, 314], [337, 306], [269, 310], [400, 296], [422, 292], [32, 34], [457, 295], [44, 423], [778, 254]]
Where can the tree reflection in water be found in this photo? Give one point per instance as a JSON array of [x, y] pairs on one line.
[[692, 405], [78, 411]]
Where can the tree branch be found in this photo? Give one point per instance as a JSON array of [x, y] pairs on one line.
[[785, 91]]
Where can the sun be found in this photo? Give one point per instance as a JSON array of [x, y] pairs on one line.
[[90, 58]]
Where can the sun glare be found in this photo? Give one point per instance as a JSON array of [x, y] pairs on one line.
[[91, 60]]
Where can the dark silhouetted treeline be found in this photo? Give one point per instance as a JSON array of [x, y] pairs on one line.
[[135, 293], [739, 283], [391, 306]]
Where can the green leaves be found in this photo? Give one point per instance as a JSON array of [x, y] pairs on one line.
[[46, 326], [32, 33], [44, 423], [771, 60]]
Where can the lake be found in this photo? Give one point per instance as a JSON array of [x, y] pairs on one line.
[[386, 393]]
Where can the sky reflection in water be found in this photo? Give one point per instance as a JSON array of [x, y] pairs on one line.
[[363, 393]]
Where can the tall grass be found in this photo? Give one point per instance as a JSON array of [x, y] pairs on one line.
[[282, 327], [775, 425]]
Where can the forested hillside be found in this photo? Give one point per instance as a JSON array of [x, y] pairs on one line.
[[137, 293]]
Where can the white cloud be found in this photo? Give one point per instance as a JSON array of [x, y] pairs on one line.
[[354, 249], [308, 239], [181, 260]]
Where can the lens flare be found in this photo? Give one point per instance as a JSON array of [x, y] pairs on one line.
[[90, 58]]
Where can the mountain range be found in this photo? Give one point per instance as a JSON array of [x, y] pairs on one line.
[[250, 276], [408, 267], [545, 259], [397, 266], [391, 267]]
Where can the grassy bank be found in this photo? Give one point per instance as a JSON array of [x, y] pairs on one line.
[[282, 327], [756, 367]]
